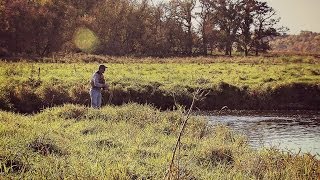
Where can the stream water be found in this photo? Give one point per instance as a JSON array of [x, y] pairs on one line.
[[289, 131]]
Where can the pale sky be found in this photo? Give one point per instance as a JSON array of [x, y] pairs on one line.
[[297, 15]]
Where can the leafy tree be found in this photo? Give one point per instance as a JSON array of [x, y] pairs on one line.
[[248, 13], [136, 27], [206, 25], [264, 27], [226, 19], [182, 14], [35, 27], [248, 23]]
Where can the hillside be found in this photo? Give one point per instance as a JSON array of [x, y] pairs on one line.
[[306, 42]]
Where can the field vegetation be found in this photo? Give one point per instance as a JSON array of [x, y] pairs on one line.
[[48, 131], [239, 83], [134, 142]]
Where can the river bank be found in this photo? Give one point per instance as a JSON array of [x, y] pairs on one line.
[[134, 142], [239, 83], [25, 98]]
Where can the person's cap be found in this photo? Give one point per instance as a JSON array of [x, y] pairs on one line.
[[102, 66]]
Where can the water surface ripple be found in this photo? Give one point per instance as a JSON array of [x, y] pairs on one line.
[[290, 131]]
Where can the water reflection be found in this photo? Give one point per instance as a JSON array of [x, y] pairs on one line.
[[288, 131]]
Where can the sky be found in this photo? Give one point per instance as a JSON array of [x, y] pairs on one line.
[[297, 15]]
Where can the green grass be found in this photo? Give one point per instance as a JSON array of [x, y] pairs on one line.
[[134, 142], [240, 83], [167, 75]]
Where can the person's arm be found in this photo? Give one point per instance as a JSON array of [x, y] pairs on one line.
[[96, 81], [106, 87]]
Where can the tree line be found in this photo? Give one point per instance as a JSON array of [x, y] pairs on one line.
[[137, 27]]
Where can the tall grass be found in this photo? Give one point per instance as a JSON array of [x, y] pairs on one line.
[[134, 142]]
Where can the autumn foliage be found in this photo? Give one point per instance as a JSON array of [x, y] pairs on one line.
[[128, 27], [306, 42]]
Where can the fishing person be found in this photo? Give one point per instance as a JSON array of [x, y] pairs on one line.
[[98, 84]]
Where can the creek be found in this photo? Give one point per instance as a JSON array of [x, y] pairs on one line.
[[294, 131]]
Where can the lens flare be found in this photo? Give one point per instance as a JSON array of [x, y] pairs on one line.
[[86, 40]]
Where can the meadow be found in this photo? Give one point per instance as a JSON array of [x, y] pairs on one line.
[[237, 82], [135, 141]]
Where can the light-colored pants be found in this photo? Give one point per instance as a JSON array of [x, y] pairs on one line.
[[96, 97]]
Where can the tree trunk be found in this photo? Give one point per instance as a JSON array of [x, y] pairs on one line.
[[246, 51], [204, 48], [189, 41], [204, 43], [226, 50]]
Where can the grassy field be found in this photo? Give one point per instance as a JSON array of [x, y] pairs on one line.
[[255, 73], [134, 142], [241, 83]]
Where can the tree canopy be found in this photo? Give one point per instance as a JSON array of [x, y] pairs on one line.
[[136, 27]]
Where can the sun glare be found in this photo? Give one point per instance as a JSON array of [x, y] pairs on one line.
[[86, 40]]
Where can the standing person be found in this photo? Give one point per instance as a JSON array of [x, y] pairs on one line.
[[97, 84]]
